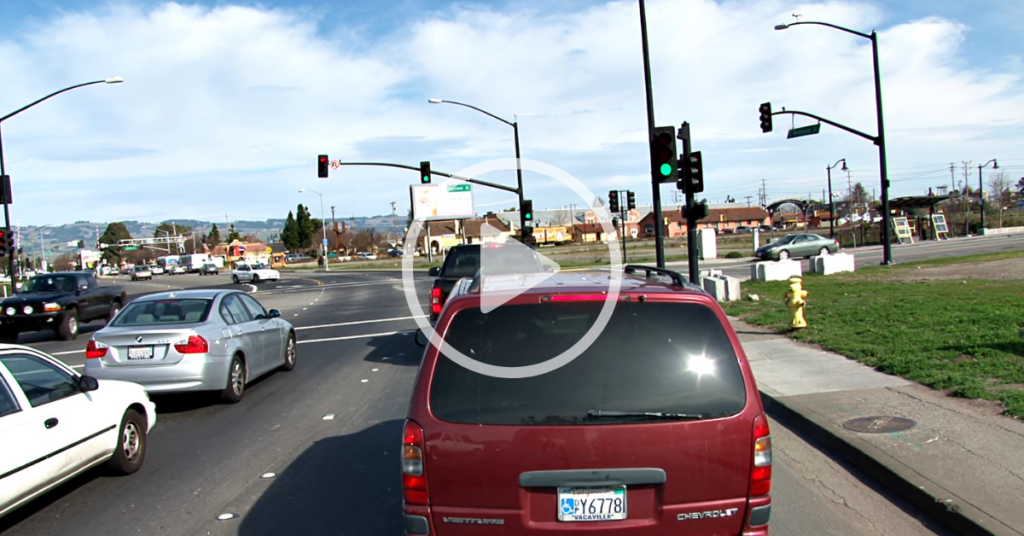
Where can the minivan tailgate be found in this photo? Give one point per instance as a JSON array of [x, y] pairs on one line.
[[661, 470]]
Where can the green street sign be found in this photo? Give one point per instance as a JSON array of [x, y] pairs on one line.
[[804, 131], [458, 188], [131, 248]]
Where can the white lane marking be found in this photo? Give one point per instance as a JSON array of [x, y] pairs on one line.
[[253, 287], [361, 322], [304, 308], [68, 353], [352, 337], [363, 381]]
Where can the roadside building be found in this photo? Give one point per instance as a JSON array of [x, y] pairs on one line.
[[720, 219]]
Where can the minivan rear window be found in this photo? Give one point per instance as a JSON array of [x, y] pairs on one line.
[[651, 357]]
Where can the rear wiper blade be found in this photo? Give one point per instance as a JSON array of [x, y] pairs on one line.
[[595, 413]]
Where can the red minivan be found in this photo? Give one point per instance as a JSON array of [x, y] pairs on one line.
[[656, 428]]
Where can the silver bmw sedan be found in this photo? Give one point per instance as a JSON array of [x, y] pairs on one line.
[[192, 340]]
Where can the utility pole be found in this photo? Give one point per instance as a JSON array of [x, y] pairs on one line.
[[967, 199], [748, 199], [952, 178], [764, 193], [394, 223]]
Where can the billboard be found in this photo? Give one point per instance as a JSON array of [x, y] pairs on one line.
[[450, 200]]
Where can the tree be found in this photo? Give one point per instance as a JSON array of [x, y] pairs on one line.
[[304, 228], [858, 197], [114, 232], [214, 237], [250, 238], [563, 217], [1020, 188], [999, 189], [290, 233], [64, 263], [233, 234]]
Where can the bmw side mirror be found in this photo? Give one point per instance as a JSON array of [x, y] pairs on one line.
[[434, 272], [274, 313], [88, 383]]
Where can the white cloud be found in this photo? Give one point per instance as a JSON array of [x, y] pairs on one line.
[[224, 109]]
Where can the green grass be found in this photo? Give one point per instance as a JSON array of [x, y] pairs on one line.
[[981, 257], [960, 336]]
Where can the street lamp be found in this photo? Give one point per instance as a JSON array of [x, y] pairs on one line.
[[880, 139], [981, 193], [519, 167], [323, 226], [3, 171], [831, 201]]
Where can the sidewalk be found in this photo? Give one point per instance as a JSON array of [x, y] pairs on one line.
[[961, 462]]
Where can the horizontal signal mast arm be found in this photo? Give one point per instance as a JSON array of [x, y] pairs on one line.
[[869, 137]]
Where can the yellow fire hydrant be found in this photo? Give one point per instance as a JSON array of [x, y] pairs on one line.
[[795, 301]]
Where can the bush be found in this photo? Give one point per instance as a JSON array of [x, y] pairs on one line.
[[734, 255]]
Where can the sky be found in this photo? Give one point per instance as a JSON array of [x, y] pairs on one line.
[[226, 105]]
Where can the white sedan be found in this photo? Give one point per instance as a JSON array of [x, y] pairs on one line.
[[247, 273], [57, 423]]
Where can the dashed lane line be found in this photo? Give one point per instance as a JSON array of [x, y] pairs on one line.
[[361, 322], [367, 336]]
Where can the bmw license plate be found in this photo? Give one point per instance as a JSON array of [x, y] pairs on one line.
[[592, 504], [140, 352]]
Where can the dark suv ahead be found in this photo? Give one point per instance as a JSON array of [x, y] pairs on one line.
[[464, 261], [656, 428]]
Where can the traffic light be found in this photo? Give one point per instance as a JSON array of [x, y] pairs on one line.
[[528, 210], [613, 201], [766, 117], [6, 243], [663, 151], [424, 172], [699, 211], [322, 165], [691, 174], [630, 200]]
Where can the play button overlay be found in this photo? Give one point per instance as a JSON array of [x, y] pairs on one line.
[[509, 268]]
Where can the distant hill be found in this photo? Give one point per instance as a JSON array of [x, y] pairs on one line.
[[57, 237]]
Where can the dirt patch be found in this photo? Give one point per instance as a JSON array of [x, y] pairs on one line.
[[1003, 270]]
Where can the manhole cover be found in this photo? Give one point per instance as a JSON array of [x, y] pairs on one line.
[[879, 425]]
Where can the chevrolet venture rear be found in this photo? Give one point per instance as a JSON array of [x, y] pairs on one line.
[[656, 428]]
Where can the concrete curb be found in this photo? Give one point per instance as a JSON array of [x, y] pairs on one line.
[[942, 505]]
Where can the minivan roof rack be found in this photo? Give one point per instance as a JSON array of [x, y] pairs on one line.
[[677, 278]]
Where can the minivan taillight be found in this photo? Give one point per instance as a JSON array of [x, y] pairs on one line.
[[95, 350], [194, 345], [435, 300], [414, 477], [761, 473]]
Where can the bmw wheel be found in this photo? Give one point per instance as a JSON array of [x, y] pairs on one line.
[[235, 387], [291, 353]]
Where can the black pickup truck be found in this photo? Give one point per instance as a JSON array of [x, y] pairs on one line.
[[58, 302]]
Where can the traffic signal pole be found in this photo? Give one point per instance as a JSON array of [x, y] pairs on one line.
[[659, 232], [692, 259]]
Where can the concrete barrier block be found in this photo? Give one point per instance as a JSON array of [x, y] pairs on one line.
[[715, 287], [732, 288], [833, 264], [779, 270]]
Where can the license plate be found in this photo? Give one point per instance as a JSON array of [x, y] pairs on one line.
[[592, 504], [140, 352]]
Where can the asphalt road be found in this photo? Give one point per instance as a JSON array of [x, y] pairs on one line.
[[315, 451]]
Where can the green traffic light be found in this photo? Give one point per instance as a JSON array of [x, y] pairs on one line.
[[529, 216], [666, 170]]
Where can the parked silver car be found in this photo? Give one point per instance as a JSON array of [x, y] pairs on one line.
[[192, 340]]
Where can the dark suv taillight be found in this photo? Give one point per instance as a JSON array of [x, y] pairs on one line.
[[761, 473], [414, 476], [435, 301]]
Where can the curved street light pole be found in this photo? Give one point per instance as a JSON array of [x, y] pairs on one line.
[[880, 139], [981, 191], [831, 202], [3, 170], [519, 167]]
